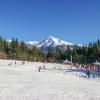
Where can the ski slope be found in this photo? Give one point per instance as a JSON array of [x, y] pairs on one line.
[[24, 82]]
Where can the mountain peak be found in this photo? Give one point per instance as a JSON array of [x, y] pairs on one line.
[[52, 42], [53, 39], [58, 41], [50, 36]]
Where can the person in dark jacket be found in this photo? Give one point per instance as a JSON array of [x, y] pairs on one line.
[[39, 68], [88, 74]]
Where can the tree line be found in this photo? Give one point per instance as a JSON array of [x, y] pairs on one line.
[[85, 54], [20, 51]]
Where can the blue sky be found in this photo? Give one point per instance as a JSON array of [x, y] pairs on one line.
[[72, 20]]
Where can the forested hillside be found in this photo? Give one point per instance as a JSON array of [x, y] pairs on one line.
[[19, 51]]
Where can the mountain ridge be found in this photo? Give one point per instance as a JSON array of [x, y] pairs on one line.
[[52, 42]]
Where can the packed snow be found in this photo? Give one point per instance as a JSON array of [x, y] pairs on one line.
[[23, 81]]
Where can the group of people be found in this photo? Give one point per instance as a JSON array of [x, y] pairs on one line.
[[90, 70]]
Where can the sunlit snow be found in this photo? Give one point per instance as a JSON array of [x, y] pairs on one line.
[[24, 82]]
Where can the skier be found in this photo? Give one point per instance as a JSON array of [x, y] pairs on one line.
[[23, 62], [98, 73], [15, 62], [88, 74], [39, 69], [93, 73]]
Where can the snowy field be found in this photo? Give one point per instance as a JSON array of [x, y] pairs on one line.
[[24, 82]]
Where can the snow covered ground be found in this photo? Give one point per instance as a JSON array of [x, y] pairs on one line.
[[24, 82]]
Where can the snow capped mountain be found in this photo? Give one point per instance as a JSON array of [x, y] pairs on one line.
[[53, 42], [50, 42], [31, 42]]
